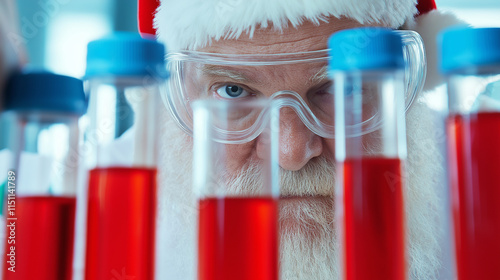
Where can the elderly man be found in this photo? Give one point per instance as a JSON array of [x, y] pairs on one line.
[[236, 27], [308, 242]]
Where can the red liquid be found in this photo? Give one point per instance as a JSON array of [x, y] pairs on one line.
[[374, 232], [44, 236], [238, 239], [474, 165], [121, 224]]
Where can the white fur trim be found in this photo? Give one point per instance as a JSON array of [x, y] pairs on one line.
[[191, 24], [429, 26]]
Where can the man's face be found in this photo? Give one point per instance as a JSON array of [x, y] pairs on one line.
[[307, 175], [304, 157]]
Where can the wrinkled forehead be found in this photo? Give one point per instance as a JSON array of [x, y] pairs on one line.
[[307, 44], [294, 54], [306, 37]]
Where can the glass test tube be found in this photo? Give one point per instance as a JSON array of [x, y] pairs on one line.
[[41, 120], [237, 195], [471, 60], [124, 74], [369, 89]]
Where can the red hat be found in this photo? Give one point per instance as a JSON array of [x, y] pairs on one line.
[[391, 12], [146, 10]]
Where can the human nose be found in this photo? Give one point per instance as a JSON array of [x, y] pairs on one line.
[[297, 144]]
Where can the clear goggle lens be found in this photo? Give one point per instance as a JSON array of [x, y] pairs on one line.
[[294, 81]]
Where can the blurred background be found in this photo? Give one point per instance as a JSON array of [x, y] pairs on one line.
[[56, 32]]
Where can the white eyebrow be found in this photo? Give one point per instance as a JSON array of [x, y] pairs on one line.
[[215, 71], [320, 76]]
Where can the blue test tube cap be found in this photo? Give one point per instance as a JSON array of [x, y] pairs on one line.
[[44, 92], [125, 54], [462, 48], [365, 49]]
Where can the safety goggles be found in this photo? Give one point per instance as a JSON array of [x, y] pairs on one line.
[[296, 81]]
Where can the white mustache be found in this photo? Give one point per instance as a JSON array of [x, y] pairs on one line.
[[316, 178]]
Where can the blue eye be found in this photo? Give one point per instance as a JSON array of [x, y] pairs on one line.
[[231, 91]]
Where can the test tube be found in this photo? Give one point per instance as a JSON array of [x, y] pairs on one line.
[[470, 58], [367, 67], [124, 76], [41, 134], [236, 185]]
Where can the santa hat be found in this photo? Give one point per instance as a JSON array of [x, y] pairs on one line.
[[191, 24]]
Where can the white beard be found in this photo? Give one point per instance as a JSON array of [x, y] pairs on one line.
[[309, 251]]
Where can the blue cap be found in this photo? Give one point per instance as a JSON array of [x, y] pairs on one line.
[[125, 54], [368, 48], [46, 92], [467, 47]]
